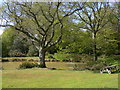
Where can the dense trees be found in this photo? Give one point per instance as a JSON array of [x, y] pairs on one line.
[[94, 16], [13, 43], [70, 28], [7, 41]]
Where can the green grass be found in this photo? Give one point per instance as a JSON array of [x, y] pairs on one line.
[[44, 78], [41, 78]]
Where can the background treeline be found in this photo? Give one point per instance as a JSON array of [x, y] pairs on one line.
[[75, 42]]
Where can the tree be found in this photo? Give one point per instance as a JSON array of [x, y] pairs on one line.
[[106, 41], [7, 41], [109, 36], [20, 45], [75, 42], [114, 20], [41, 22], [94, 15]]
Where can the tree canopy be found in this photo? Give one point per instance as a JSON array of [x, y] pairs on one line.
[[68, 27]]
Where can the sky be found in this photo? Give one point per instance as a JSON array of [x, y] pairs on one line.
[[1, 29]]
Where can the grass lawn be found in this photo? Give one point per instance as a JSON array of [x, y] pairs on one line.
[[44, 78]]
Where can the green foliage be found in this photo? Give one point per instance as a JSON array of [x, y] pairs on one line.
[[27, 64], [61, 56], [106, 42], [95, 66], [7, 41], [116, 57], [75, 57], [108, 60], [76, 41], [101, 62], [76, 44], [32, 51], [20, 46], [49, 56], [16, 53], [86, 58], [13, 43]]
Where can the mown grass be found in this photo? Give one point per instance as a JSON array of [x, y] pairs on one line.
[[44, 78]]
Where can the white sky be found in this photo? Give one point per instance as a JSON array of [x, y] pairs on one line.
[[1, 31]]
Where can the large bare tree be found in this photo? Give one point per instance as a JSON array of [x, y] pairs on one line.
[[41, 22]]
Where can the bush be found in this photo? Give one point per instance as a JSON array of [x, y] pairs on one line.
[[97, 67], [27, 64], [93, 65], [108, 60], [100, 63]]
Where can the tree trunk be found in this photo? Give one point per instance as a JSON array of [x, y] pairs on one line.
[[42, 58], [94, 47]]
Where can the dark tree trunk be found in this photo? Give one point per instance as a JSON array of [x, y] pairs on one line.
[[42, 58], [94, 47]]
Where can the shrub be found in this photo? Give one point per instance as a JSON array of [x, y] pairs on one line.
[[27, 64], [108, 60], [95, 65]]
